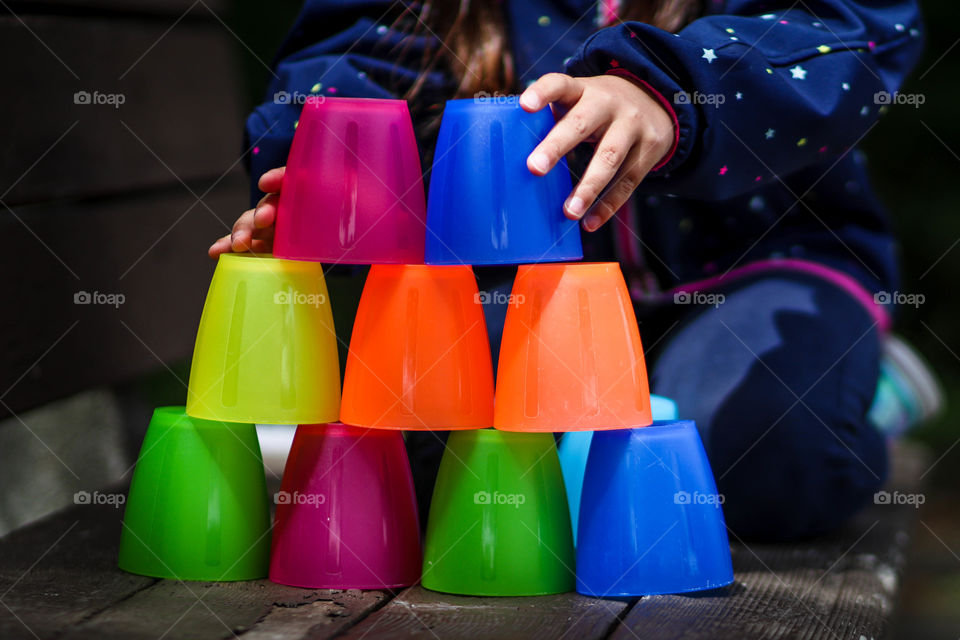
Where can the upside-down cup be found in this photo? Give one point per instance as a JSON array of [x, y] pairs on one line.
[[498, 523], [197, 507], [346, 513], [352, 192], [485, 207], [266, 350], [574, 448], [651, 520], [419, 355], [570, 356]]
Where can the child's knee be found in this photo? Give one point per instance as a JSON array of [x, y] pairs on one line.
[[797, 478]]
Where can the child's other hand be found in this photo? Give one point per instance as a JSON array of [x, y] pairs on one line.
[[253, 230], [634, 132]]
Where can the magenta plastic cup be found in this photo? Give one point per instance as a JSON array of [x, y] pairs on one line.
[[353, 189], [346, 512]]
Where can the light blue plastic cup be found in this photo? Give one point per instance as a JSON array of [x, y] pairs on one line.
[[575, 445]]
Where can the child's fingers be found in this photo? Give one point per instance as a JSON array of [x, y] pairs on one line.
[[241, 241], [242, 232], [609, 155], [265, 234], [244, 222], [553, 87], [246, 239], [265, 213], [222, 245], [576, 126], [271, 181], [633, 170], [262, 246]]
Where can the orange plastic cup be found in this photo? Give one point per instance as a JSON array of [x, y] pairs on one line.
[[419, 356], [571, 357]]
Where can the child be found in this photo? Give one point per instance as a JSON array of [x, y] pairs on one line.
[[722, 177]]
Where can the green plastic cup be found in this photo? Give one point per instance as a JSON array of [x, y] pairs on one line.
[[499, 523], [197, 507]]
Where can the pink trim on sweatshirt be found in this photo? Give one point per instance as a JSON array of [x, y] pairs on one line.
[[838, 278]]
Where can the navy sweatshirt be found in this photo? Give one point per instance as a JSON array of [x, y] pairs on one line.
[[770, 98]]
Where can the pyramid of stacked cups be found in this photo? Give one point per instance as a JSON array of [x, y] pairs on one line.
[[419, 358]]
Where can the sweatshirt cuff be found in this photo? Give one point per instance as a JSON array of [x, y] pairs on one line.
[[621, 49]]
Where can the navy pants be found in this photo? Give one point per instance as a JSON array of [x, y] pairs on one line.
[[779, 378]]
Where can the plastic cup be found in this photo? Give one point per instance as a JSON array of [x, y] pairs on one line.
[[650, 518], [570, 356], [197, 507], [485, 207], [266, 350], [346, 511], [353, 190], [499, 524], [419, 356], [574, 447]]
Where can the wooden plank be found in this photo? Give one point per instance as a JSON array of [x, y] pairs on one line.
[[60, 571], [419, 613], [259, 609], [179, 117], [842, 586], [323, 617], [150, 249], [59, 578], [43, 464]]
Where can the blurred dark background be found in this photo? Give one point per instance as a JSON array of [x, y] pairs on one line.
[[914, 156], [127, 199]]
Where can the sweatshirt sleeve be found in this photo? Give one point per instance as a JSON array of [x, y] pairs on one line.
[[765, 89], [345, 48]]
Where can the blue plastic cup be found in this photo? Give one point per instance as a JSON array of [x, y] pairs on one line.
[[484, 206], [651, 520], [575, 445]]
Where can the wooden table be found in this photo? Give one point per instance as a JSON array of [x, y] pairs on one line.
[[58, 579]]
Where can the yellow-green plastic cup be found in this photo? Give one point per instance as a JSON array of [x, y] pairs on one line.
[[266, 350], [197, 507], [499, 523]]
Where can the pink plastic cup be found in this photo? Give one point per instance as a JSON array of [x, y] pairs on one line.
[[353, 189], [346, 512]]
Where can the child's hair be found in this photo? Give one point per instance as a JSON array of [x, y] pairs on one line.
[[474, 41]]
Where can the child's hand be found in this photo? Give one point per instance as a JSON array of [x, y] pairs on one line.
[[253, 231], [634, 131]]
